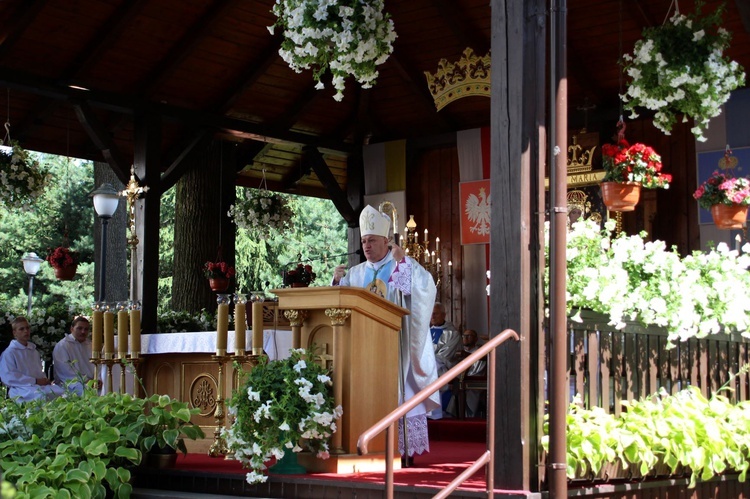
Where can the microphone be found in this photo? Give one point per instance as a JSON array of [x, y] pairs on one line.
[[323, 257]]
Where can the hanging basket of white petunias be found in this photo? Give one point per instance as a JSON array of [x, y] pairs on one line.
[[346, 37], [679, 69]]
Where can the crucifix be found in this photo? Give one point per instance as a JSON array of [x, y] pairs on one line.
[[132, 192]]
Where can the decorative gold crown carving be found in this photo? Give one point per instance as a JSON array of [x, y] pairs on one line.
[[471, 75], [579, 159]]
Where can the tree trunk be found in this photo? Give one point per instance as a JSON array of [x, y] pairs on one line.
[[117, 283], [202, 227]]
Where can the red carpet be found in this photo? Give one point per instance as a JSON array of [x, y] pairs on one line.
[[454, 445]]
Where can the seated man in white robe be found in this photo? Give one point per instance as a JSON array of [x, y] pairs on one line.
[[21, 367], [401, 280], [71, 357]]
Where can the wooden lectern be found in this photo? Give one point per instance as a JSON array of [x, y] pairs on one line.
[[357, 332]]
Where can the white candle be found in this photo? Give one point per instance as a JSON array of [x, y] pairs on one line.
[[432, 255], [437, 245], [96, 334], [240, 326], [122, 333], [109, 334], [222, 325], [425, 235], [438, 264], [257, 309], [737, 241], [135, 333]]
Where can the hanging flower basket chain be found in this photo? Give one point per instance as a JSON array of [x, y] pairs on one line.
[[679, 69], [345, 37]]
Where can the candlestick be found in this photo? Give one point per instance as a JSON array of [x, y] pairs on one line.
[[122, 330], [135, 329], [109, 333], [240, 324], [222, 323], [432, 255], [257, 309], [425, 235], [437, 245], [438, 264], [97, 335]]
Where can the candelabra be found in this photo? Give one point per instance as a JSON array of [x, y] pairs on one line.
[[219, 445], [430, 260]]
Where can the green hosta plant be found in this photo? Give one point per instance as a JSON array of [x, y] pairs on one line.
[[706, 436], [73, 446]]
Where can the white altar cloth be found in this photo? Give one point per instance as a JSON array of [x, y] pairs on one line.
[[276, 344]]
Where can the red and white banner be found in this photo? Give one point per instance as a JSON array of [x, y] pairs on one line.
[[475, 211]]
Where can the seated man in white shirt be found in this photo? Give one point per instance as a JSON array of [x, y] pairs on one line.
[[21, 367], [71, 357]]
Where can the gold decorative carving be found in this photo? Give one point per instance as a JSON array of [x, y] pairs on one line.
[[471, 75], [203, 394], [338, 316], [579, 158], [296, 317]]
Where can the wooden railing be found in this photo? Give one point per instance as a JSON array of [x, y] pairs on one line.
[[388, 423], [608, 365]]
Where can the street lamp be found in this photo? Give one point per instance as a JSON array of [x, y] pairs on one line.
[[31, 264], [106, 199]]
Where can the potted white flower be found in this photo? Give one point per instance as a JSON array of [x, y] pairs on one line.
[[345, 37], [283, 407], [679, 69]]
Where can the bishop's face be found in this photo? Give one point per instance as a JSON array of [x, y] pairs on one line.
[[374, 247]]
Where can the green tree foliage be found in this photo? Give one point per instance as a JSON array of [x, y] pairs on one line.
[[64, 208], [166, 248], [318, 232]]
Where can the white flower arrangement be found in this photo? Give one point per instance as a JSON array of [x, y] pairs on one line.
[[22, 179], [633, 280], [347, 37], [679, 68], [283, 405], [262, 211]]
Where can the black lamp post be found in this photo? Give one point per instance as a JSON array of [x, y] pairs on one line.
[[106, 199], [31, 264]]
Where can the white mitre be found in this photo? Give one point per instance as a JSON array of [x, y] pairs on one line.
[[371, 221]]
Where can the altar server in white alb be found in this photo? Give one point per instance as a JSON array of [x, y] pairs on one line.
[[72, 357], [21, 367], [401, 280]]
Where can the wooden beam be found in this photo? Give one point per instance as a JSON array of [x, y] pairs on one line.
[[189, 117], [108, 34], [193, 36], [312, 156], [744, 9], [179, 166], [14, 27], [99, 135]]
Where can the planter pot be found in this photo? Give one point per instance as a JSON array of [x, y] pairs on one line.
[[729, 216], [218, 284], [287, 465], [161, 459], [621, 196], [66, 273]]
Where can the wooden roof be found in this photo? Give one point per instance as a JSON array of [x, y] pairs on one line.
[[78, 72]]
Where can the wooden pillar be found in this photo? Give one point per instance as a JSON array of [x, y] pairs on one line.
[[296, 319], [338, 318], [147, 163], [516, 124]]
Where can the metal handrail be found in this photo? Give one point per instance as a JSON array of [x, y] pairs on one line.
[[387, 424]]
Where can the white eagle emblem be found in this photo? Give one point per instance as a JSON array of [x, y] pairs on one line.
[[478, 212]]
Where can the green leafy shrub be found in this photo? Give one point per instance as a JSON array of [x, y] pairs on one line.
[[682, 431], [82, 446]]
